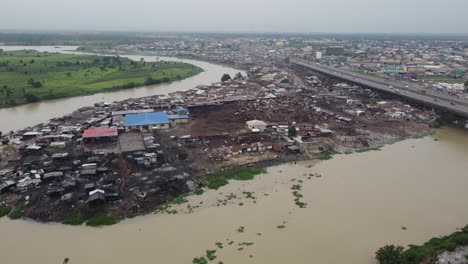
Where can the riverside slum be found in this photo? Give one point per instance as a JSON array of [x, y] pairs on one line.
[[126, 158]]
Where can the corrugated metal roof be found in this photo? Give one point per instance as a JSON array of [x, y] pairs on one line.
[[100, 132], [144, 119], [177, 116]]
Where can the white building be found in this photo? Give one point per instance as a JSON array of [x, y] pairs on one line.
[[256, 124]]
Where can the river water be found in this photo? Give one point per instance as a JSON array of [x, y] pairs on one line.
[[360, 203], [26, 115]]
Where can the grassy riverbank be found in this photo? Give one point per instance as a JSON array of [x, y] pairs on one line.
[[30, 76], [425, 253]]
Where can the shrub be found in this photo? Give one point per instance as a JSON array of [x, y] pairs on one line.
[[103, 219], [16, 214], [390, 254], [76, 218], [4, 211]]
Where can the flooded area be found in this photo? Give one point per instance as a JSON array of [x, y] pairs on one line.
[[26, 115], [359, 203]]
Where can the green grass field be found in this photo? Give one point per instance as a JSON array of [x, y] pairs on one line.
[[30, 76]]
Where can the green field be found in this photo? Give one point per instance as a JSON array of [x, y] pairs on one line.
[[30, 76], [438, 78]]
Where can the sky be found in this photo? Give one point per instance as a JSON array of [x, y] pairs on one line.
[[291, 16]]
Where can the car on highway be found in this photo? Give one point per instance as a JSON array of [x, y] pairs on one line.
[[437, 100], [390, 86], [452, 103], [406, 86]]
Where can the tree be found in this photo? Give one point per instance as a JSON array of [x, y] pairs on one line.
[[390, 254], [225, 77], [292, 131], [287, 60], [31, 98], [238, 76], [37, 84]]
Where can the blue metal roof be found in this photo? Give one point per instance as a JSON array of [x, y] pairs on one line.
[[144, 119], [177, 116]]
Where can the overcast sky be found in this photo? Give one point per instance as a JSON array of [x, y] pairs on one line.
[[314, 16]]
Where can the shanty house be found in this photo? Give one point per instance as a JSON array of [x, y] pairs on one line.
[[94, 134]]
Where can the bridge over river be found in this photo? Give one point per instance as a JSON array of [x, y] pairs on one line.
[[440, 101]]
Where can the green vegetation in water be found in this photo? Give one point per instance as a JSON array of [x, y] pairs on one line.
[[391, 254], [178, 200], [198, 192], [210, 254], [16, 214], [222, 177], [280, 226], [4, 211], [75, 218], [297, 196], [103, 219], [200, 260], [240, 229], [219, 244], [29, 76]]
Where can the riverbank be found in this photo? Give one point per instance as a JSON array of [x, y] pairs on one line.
[[359, 203], [19, 117], [28, 76]]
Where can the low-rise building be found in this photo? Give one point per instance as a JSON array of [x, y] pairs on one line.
[[149, 121], [256, 124]]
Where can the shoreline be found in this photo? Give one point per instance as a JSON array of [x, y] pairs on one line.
[[115, 88], [265, 164]]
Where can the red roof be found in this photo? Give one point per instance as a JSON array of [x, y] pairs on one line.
[[100, 132]]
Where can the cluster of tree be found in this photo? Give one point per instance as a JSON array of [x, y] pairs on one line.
[[225, 77], [66, 63], [390, 254], [151, 80], [292, 131], [6, 91], [31, 98], [238, 76], [35, 84]]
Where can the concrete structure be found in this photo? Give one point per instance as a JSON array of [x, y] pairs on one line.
[[318, 55], [178, 119], [256, 124], [335, 51], [416, 69], [394, 69]]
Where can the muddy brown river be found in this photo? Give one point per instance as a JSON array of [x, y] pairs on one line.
[[360, 203], [18, 117]]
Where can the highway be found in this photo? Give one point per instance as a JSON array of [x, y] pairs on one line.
[[440, 101]]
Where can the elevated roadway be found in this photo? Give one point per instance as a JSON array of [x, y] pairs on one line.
[[441, 101]]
